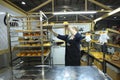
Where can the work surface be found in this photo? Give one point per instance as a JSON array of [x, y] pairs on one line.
[[66, 73]]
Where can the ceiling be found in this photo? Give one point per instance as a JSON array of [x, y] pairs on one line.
[[49, 6]]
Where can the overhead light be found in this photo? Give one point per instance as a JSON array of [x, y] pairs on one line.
[[114, 11], [23, 3], [91, 16], [115, 17], [75, 12], [64, 17], [102, 9]]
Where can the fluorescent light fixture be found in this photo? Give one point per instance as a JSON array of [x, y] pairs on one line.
[[75, 12], [97, 19], [114, 11]]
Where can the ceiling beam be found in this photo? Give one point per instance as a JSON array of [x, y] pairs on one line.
[[12, 6], [50, 17], [41, 5], [86, 2], [52, 5], [39, 13], [86, 17], [107, 15], [100, 4]]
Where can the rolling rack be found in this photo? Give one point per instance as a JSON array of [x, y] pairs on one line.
[[29, 45]]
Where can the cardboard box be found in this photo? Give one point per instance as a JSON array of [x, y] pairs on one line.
[[83, 63], [98, 64], [113, 72]]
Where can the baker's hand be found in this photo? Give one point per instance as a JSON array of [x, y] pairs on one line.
[[87, 34]]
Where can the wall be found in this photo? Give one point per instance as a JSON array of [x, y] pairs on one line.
[[58, 54], [4, 60]]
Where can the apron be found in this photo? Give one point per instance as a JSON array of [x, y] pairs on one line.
[[72, 49], [72, 55]]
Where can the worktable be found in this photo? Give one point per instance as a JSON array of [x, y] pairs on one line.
[[65, 73]]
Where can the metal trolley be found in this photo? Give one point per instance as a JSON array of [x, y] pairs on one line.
[[29, 45]]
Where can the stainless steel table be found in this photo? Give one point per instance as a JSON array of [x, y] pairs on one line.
[[65, 73]]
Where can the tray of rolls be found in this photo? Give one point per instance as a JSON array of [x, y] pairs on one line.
[[32, 34], [116, 56], [99, 55], [33, 53], [47, 44]]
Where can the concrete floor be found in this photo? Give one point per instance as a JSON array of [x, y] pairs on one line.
[[5, 74]]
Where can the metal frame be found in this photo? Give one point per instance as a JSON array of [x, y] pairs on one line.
[[40, 16], [15, 7], [100, 4], [107, 15], [41, 32], [41, 5]]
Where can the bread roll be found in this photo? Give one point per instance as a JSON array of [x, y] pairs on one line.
[[114, 57]]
